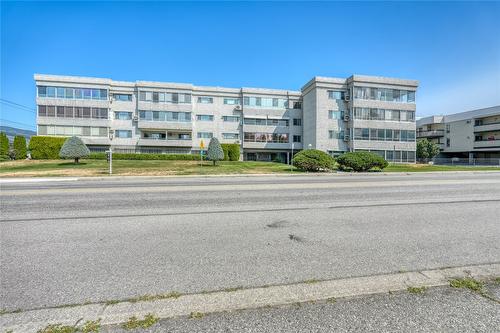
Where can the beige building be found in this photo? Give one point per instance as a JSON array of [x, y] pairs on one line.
[[360, 113], [471, 134]]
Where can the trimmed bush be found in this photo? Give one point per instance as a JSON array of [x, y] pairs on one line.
[[120, 156], [231, 151], [215, 152], [4, 146], [360, 161], [74, 148], [45, 147], [20, 147], [313, 160]]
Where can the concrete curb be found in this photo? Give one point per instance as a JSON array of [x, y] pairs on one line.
[[298, 174], [33, 320]]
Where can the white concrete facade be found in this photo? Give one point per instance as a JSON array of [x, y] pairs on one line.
[[470, 134], [162, 117]]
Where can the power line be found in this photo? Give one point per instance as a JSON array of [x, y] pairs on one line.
[[17, 123], [17, 105]]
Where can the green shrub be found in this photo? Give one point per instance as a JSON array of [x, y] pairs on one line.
[[215, 152], [45, 147], [74, 148], [4, 145], [360, 161], [313, 160], [231, 151], [20, 147], [121, 156]]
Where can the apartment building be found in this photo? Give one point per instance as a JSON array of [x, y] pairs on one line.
[[470, 134], [360, 113]]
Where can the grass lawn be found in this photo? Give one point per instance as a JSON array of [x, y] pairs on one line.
[[47, 168], [50, 168]]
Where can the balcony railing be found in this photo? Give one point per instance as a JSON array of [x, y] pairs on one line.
[[430, 134], [487, 144], [487, 127]]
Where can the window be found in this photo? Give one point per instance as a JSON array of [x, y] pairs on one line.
[[156, 97], [204, 117], [383, 94], [42, 92], [335, 114], [69, 93], [99, 113], [255, 121], [205, 100], [297, 122], [87, 93], [334, 94], [232, 101], [265, 102], [297, 138], [448, 128], [334, 134], [361, 133], [123, 134], [122, 115], [60, 92], [448, 142], [230, 136], [96, 94], [78, 93], [165, 116], [60, 111], [266, 137], [154, 135], [42, 111], [122, 97], [205, 135], [297, 105], [233, 119], [51, 92], [277, 122], [68, 112]]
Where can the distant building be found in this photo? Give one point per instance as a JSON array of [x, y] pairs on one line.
[[471, 134], [360, 113]]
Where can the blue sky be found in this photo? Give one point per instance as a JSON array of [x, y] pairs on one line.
[[452, 48]]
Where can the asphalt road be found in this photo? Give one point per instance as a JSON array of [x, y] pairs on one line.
[[98, 240], [437, 310]]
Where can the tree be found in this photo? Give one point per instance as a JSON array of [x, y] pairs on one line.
[[20, 147], [74, 147], [4, 145], [313, 160], [215, 152], [426, 149]]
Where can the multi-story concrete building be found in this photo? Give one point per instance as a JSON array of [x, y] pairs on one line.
[[471, 134], [334, 115]]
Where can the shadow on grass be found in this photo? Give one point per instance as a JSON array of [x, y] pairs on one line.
[[71, 164]]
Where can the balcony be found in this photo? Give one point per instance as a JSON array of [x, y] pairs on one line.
[[487, 144], [487, 127], [164, 125], [430, 134], [165, 142]]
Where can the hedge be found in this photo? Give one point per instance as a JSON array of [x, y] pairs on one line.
[[313, 160], [360, 161], [45, 147], [231, 151], [19, 145], [120, 156]]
